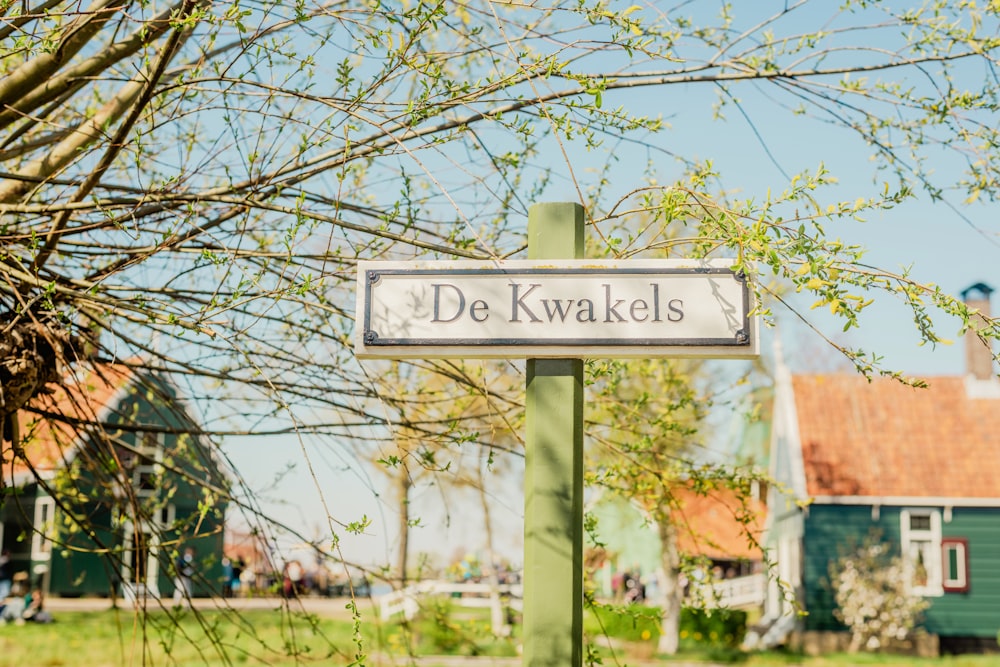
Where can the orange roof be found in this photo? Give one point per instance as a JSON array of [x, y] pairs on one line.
[[885, 439], [709, 525], [82, 399]]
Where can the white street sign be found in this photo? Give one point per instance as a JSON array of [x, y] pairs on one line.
[[547, 309]]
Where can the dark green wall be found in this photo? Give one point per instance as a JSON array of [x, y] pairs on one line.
[[829, 532], [832, 530], [977, 612], [79, 563], [17, 510]]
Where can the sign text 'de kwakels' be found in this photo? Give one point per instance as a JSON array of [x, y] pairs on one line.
[[571, 308]]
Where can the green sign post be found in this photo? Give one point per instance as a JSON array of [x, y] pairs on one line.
[[553, 310], [553, 477]]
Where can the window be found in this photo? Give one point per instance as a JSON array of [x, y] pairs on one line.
[[41, 536], [920, 533], [148, 452], [955, 560], [166, 516]]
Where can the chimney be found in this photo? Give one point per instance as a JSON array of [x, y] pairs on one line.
[[978, 355]]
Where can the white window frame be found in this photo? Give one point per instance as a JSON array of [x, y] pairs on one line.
[[134, 587], [43, 525], [911, 540], [165, 516], [960, 582], [152, 452]]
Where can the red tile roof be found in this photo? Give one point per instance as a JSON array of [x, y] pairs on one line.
[[887, 439], [83, 398], [709, 525]]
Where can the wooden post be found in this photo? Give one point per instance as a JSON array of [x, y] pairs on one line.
[[553, 481]]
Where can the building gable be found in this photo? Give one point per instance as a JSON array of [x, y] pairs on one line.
[[55, 423]]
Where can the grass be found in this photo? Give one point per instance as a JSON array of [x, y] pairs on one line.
[[279, 638], [207, 638], [723, 656], [778, 659], [275, 637]]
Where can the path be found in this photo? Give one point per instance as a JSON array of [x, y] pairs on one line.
[[326, 607]]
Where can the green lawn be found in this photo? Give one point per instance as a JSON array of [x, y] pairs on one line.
[[773, 659], [248, 637], [211, 638], [277, 637]]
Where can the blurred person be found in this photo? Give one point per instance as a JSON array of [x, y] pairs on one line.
[[184, 577], [6, 574]]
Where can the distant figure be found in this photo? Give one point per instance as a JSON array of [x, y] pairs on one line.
[[183, 581], [618, 586], [227, 578], [15, 605], [6, 575], [237, 577], [248, 581], [291, 583], [34, 610], [635, 591], [12, 611]]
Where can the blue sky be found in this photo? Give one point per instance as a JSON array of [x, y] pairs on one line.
[[938, 245], [942, 242], [753, 153]]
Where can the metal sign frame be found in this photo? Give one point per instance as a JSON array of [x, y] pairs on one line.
[[370, 343]]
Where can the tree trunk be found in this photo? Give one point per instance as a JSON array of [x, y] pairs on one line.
[[403, 486], [497, 622], [670, 589]]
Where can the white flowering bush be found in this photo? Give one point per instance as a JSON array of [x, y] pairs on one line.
[[872, 596]]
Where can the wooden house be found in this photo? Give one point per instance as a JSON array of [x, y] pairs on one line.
[[108, 482], [918, 467], [715, 529]]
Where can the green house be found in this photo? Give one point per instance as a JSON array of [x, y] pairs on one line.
[[109, 482], [706, 529], [917, 468]]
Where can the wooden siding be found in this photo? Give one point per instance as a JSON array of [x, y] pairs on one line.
[[17, 508], [831, 530], [76, 566], [975, 613]]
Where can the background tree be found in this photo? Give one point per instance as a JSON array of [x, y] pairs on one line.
[[188, 186], [653, 451], [488, 470], [434, 415], [649, 430]]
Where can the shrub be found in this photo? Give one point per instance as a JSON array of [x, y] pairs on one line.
[[443, 628], [715, 627], [720, 628], [870, 588], [630, 623]]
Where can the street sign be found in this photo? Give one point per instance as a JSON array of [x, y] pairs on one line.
[[554, 312], [554, 309]]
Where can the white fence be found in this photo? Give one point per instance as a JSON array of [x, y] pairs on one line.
[[734, 593], [407, 600]]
